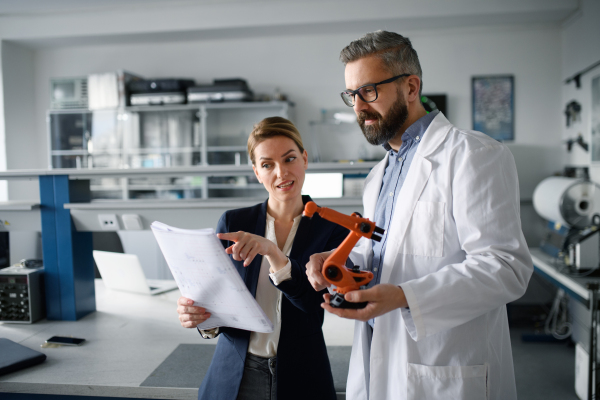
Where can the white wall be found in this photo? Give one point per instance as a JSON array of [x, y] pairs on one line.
[[580, 49], [306, 68], [22, 139]]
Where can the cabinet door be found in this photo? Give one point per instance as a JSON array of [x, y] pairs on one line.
[[69, 136], [228, 128], [166, 139]]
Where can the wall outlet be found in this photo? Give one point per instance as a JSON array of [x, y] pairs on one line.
[[132, 222], [108, 222]]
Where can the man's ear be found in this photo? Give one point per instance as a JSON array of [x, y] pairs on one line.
[[414, 87]]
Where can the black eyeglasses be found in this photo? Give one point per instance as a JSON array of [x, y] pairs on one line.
[[367, 93]]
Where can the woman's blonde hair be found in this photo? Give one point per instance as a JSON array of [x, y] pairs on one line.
[[271, 127]]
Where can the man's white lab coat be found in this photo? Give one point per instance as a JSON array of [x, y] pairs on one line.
[[456, 247]]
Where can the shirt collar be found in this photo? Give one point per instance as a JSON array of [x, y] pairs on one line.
[[416, 130]]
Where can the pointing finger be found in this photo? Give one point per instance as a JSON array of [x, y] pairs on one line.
[[233, 236]]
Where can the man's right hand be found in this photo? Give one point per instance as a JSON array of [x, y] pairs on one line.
[[314, 268], [189, 315]]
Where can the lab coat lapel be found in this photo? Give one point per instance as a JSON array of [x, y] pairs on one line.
[[372, 188], [253, 270], [416, 179]]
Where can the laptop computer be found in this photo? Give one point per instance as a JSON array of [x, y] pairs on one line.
[[123, 272]]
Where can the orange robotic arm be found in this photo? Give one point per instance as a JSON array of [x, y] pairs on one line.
[[334, 267]]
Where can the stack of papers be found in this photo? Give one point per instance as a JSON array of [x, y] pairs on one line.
[[206, 274]]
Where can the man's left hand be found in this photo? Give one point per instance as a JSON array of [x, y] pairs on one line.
[[381, 299]]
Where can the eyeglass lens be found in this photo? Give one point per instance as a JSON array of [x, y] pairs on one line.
[[367, 94]]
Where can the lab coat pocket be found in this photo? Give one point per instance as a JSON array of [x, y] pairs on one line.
[[453, 382], [425, 233]]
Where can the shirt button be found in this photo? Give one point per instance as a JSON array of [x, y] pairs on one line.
[[375, 269], [391, 194], [417, 137], [400, 159]]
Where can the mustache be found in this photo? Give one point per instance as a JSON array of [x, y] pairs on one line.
[[364, 115]]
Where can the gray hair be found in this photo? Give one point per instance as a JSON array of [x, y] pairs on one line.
[[394, 50]]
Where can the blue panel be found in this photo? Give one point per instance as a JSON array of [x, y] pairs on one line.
[[83, 260], [50, 251], [64, 245], [67, 253]]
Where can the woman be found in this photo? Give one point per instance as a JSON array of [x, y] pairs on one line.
[[270, 244]]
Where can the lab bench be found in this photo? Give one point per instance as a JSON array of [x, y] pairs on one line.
[[584, 293], [127, 339]]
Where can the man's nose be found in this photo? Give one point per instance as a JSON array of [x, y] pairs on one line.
[[359, 104]]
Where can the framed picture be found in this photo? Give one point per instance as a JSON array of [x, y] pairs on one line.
[[595, 119], [493, 106]]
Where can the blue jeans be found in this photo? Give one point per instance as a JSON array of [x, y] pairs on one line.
[[259, 381]]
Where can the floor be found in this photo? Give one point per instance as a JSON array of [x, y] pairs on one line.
[[543, 371]]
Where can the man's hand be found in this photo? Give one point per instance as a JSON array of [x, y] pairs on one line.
[[381, 299], [314, 268], [190, 316]]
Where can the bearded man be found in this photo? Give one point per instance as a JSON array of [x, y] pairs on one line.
[[453, 253]]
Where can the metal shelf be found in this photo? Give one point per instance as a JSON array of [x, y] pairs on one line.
[[253, 186], [227, 148], [210, 170]]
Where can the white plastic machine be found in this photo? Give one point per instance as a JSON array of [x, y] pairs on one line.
[[572, 208]]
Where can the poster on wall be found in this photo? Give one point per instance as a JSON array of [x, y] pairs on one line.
[[493, 106], [596, 119]]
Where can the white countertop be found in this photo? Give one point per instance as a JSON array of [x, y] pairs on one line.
[[127, 338]]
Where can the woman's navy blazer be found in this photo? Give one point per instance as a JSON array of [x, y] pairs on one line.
[[303, 370]]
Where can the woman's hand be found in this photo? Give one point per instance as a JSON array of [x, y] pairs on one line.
[[189, 315], [314, 268], [248, 245]]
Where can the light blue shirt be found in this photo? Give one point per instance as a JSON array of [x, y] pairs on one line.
[[393, 179]]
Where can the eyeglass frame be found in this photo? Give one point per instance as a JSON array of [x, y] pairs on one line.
[[356, 92]]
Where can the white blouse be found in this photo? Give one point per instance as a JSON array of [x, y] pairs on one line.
[[268, 297]]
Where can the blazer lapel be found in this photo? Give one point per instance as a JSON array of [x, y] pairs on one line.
[[253, 270], [302, 234]]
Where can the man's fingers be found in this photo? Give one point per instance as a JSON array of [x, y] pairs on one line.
[[347, 313], [358, 296]]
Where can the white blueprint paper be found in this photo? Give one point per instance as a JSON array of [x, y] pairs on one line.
[[205, 274]]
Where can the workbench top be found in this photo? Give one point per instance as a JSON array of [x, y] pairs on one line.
[[127, 338]]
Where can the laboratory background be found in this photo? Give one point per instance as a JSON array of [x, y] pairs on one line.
[[118, 113]]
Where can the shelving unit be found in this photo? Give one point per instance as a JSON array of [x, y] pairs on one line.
[[160, 137]]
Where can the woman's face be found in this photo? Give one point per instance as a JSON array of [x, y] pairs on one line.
[[279, 166]]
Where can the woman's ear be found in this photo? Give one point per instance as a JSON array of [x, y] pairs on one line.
[[256, 173], [305, 158]]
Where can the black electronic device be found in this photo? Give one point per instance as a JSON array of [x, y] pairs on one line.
[[432, 102], [160, 85], [65, 340], [146, 92], [22, 298], [155, 99], [221, 90]]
